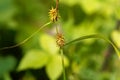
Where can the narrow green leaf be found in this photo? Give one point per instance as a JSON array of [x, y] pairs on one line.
[[95, 36], [33, 60], [28, 38]]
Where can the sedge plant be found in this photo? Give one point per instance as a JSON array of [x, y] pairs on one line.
[[60, 41]]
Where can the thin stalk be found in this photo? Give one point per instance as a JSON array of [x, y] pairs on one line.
[[96, 36], [57, 30], [26, 38], [63, 66], [57, 2]]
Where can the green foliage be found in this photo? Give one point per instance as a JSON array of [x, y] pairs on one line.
[[33, 59], [47, 57], [48, 44], [7, 10], [54, 68], [88, 59], [7, 64], [116, 38], [96, 36]]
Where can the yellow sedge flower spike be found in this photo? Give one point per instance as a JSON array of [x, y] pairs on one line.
[[53, 13], [60, 40]]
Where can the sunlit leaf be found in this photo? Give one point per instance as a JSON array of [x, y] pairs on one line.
[[48, 43], [90, 6], [117, 8], [116, 37], [34, 59], [118, 13], [69, 2], [54, 67]]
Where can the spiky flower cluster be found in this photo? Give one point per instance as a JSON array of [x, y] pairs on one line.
[[60, 40], [53, 13]]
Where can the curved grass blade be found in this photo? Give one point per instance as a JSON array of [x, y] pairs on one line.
[[9, 47], [96, 36]]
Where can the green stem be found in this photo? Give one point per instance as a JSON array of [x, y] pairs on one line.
[[26, 38], [63, 66], [96, 36]]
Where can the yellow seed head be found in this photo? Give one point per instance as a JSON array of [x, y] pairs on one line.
[[60, 40], [53, 13]]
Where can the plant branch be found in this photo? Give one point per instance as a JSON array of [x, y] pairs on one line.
[[57, 2], [96, 36], [9, 47]]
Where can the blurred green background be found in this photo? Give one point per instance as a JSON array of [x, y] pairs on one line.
[[39, 58]]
